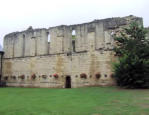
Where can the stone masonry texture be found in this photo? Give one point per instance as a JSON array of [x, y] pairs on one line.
[[31, 60]]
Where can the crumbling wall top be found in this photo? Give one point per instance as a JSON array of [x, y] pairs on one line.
[[76, 38], [29, 30], [109, 23]]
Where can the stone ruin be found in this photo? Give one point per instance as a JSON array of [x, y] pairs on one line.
[[63, 56]]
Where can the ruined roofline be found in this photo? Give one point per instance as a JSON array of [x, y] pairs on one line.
[[24, 31], [98, 20], [30, 29]]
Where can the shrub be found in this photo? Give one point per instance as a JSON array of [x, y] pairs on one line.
[[98, 75], [44, 76], [55, 75], [132, 69], [33, 76], [83, 75], [22, 77], [112, 75]]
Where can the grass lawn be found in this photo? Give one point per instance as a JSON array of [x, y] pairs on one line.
[[79, 101]]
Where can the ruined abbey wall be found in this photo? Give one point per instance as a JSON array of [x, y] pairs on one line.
[[89, 52]]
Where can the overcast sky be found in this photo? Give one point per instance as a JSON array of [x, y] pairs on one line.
[[18, 15]]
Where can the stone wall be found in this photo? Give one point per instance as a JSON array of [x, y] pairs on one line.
[[63, 65], [29, 53]]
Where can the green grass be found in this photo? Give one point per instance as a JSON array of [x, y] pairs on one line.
[[79, 101]]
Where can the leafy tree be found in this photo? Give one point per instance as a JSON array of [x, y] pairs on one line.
[[132, 68]]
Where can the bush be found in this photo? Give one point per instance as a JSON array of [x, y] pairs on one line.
[[33, 76], [132, 69], [98, 75], [132, 72], [83, 75]]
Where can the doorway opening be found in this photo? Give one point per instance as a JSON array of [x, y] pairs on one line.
[[68, 82]]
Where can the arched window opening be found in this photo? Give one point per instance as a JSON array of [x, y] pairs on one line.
[[73, 39], [49, 39], [23, 52], [73, 34]]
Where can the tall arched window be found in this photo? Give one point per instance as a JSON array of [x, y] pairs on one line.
[[23, 51], [49, 39], [73, 34], [73, 39]]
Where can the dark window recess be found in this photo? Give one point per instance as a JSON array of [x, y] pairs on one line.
[[23, 36], [69, 54], [5, 78], [23, 52], [73, 46]]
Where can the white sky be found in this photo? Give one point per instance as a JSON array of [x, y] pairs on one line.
[[18, 15]]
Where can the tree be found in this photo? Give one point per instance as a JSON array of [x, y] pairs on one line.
[[132, 68]]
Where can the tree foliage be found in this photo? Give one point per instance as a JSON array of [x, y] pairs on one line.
[[132, 69]]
